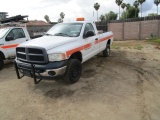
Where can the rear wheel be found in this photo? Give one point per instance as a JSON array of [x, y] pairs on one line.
[[73, 71], [1, 63], [106, 52]]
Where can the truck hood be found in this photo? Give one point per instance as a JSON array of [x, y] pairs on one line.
[[47, 42]]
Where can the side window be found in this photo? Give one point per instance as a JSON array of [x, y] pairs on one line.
[[16, 33], [88, 27]]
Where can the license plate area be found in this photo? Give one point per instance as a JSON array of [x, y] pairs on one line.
[[27, 73]]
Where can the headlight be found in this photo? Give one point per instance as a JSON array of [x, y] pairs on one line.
[[56, 57]]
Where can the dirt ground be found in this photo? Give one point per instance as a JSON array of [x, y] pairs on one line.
[[125, 86]]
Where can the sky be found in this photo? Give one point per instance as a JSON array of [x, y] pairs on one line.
[[37, 9]]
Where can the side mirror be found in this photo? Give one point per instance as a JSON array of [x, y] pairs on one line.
[[9, 38], [89, 34]]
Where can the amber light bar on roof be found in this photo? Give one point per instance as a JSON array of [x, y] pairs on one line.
[[80, 19]]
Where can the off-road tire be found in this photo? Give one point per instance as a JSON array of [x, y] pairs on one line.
[[106, 52], [73, 71], [1, 63]]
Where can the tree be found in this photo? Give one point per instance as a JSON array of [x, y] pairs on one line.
[[46, 17], [127, 7], [60, 20], [152, 14], [123, 15], [102, 18], [111, 16], [156, 2], [136, 4], [123, 5], [130, 13], [62, 15], [96, 7], [119, 2], [141, 2]]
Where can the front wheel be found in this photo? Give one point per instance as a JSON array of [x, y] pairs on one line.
[[1, 63], [73, 71], [106, 52]]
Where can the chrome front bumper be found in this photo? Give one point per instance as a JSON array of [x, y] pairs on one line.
[[58, 72]]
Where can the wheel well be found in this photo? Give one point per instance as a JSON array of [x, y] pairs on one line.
[[2, 55], [109, 42], [77, 55]]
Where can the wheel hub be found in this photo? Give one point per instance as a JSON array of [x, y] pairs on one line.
[[75, 71]]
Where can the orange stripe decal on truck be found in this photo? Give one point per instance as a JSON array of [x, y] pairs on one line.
[[9, 46], [70, 52], [103, 39], [87, 46]]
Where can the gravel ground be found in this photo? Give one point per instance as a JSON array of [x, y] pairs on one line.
[[125, 86]]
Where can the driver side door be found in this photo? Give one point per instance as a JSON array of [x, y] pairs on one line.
[[13, 39], [89, 42]]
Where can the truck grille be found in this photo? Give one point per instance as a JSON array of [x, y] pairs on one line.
[[32, 55]]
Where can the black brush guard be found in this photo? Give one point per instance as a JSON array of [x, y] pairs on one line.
[[33, 74]]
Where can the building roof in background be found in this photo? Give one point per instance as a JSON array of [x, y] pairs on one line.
[[37, 23]]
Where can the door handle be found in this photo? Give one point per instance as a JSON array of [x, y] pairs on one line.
[[96, 39], [27, 40]]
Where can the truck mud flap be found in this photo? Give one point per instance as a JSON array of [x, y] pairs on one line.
[[33, 74]]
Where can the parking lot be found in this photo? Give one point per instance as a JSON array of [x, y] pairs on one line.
[[125, 86]]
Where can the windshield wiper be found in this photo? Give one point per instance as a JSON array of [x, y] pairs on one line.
[[62, 34], [48, 34]]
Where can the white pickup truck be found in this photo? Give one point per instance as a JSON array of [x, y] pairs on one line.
[[10, 38], [61, 51]]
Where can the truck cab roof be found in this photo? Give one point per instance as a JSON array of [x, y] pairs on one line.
[[88, 21], [81, 20]]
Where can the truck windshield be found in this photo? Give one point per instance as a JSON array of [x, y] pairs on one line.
[[3, 31], [66, 30]]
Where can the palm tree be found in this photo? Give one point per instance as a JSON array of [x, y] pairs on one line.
[[46, 17], [97, 6], [123, 5], [62, 16], [127, 7], [141, 2], [136, 4], [119, 2], [157, 3]]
